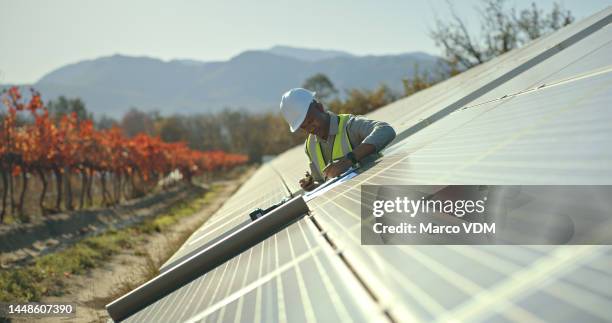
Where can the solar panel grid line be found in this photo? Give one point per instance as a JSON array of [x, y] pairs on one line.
[[308, 310], [563, 68], [489, 260], [171, 312], [232, 286], [603, 264], [208, 294], [334, 253], [596, 60], [499, 112], [273, 274], [209, 289], [516, 310], [504, 267], [227, 291], [420, 295], [580, 298], [198, 297], [146, 316], [285, 254], [271, 291], [338, 305], [554, 310], [205, 294], [159, 308], [304, 300], [534, 87], [456, 145], [526, 130], [257, 317], [189, 305], [461, 282], [216, 286], [388, 302], [561, 260], [351, 229], [363, 178], [591, 281], [238, 311], [282, 312], [235, 295], [355, 220]]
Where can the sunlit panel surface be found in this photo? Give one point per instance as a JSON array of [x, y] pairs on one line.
[[537, 115]]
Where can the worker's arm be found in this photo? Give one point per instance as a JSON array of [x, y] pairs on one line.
[[372, 137], [364, 149], [373, 132]]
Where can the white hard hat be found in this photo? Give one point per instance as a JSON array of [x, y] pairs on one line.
[[294, 106]]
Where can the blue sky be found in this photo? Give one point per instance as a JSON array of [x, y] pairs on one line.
[[39, 36]]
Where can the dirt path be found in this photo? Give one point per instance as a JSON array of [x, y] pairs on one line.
[[21, 243], [92, 291]]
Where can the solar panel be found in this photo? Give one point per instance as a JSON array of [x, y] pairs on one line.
[[537, 115], [288, 277], [263, 189]]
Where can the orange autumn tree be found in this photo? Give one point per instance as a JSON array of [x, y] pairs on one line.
[[16, 155], [69, 147]]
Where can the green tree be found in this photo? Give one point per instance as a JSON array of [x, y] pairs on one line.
[[360, 102], [419, 81], [136, 121], [321, 84], [106, 122], [173, 129], [63, 106]]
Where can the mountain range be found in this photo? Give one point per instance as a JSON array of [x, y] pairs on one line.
[[253, 80]]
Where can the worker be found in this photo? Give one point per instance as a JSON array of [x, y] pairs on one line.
[[335, 142]]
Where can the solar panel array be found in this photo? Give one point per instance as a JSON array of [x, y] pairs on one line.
[[537, 115]]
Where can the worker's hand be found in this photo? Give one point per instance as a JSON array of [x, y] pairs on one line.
[[337, 167], [307, 182]]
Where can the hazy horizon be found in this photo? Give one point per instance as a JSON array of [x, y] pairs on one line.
[[44, 36]]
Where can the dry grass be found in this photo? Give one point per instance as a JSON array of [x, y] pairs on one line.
[[46, 276]]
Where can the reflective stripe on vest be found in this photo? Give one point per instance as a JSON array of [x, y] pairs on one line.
[[342, 145]]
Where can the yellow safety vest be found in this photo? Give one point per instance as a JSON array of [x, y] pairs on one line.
[[342, 145]]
